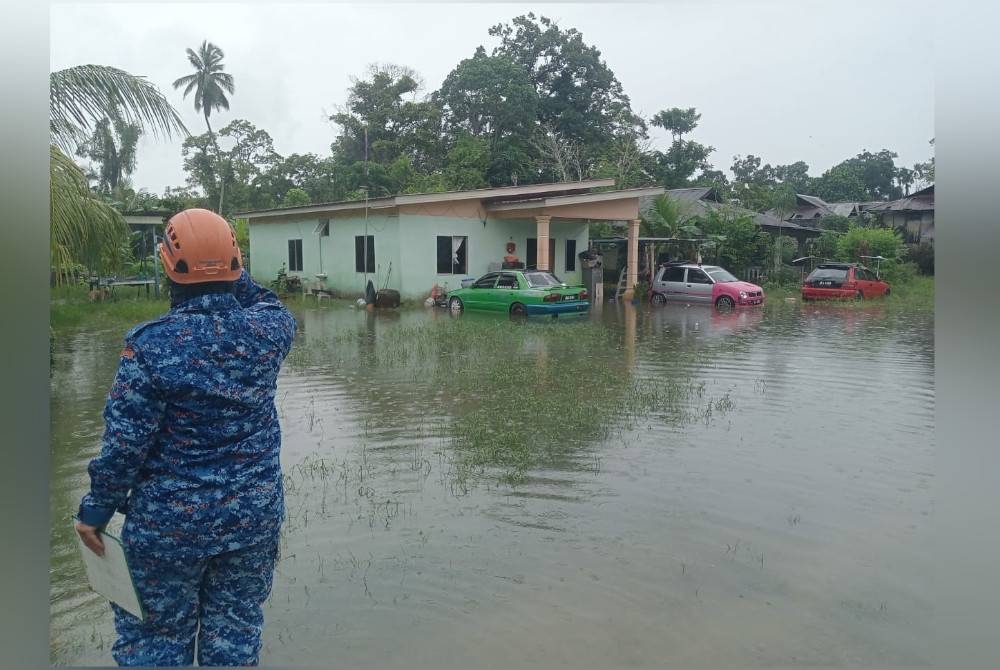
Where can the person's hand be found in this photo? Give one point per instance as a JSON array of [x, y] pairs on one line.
[[91, 536]]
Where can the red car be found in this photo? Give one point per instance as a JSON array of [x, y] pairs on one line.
[[832, 281]]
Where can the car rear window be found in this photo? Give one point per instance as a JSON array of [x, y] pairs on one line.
[[541, 279], [839, 274]]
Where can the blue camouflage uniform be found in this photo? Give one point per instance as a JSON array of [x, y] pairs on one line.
[[191, 455]]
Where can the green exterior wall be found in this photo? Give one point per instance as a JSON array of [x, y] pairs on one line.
[[334, 254], [409, 243]]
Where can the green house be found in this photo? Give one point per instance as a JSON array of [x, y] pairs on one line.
[[412, 242]]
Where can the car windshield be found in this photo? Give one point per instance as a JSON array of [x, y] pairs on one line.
[[828, 273], [720, 275], [542, 279]]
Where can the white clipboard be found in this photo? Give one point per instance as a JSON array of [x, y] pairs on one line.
[[109, 575]]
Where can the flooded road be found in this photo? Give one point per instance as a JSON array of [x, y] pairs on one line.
[[636, 487]]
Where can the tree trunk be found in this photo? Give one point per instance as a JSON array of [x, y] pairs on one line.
[[222, 174]]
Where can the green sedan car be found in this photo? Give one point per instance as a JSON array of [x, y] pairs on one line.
[[520, 293]]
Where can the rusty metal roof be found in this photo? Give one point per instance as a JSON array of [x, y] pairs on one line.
[[919, 201]]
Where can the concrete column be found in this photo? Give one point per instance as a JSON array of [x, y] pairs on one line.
[[632, 275], [542, 235]]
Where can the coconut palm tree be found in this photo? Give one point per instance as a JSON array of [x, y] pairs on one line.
[[83, 228], [210, 85]]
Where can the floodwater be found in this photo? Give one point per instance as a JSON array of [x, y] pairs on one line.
[[635, 487]]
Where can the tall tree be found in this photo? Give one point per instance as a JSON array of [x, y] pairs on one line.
[[378, 115], [251, 157], [379, 124], [795, 175], [578, 94], [112, 146], [210, 85], [492, 98], [867, 176], [752, 182], [677, 121], [924, 172], [488, 96], [677, 165]]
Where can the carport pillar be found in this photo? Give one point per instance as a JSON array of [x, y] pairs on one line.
[[542, 237], [632, 273]]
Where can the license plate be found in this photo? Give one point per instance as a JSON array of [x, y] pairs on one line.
[[755, 302], [569, 297], [826, 283]]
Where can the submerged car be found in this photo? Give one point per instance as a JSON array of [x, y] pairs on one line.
[[832, 281], [705, 284], [520, 293]]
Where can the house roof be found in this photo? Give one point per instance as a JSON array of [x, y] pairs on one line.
[[489, 195], [813, 200], [919, 201], [843, 208], [573, 199]]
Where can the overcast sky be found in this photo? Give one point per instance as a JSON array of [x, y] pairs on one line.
[[817, 81]]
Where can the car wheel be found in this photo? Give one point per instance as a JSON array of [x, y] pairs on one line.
[[887, 289], [659, 298], [725, 302], [517, 309], [455, 305], [859, 296]]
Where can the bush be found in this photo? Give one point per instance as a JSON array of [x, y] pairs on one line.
[[858, 242], [923, 256], [784, 276], [899, 273]]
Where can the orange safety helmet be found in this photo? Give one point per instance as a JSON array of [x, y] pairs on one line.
[[200, 246]]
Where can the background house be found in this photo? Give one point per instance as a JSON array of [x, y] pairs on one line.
[[913, 215], [810, 209], [412, 242]]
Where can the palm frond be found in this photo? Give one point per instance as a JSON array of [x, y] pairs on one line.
[[187, 79], [82, 95], [225, 80], [83, 228]]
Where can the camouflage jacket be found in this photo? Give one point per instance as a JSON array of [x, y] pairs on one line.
[[191, 443]]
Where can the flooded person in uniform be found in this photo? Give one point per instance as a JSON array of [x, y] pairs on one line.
[[190, 454]]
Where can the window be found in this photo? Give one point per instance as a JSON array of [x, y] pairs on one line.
[[542, 279], [570, 255], [452, 255], [721, 276], [696, 276], [295, 255], [673, 274], [507, 280], [838, 274], [364, 259], [532, 260], [323, 228], [489, 281]]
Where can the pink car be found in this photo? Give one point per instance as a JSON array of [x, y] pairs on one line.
[[703, 284]]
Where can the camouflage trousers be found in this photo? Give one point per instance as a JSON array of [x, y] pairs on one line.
[[214, 605]]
